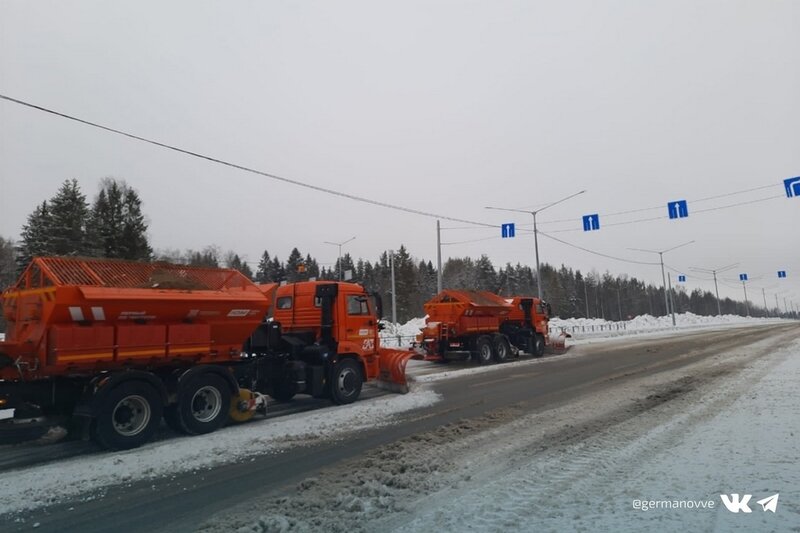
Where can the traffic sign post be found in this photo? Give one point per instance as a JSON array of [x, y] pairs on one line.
[[507, 231], [591, 222], [743, 279], [681, 278], [792, 187], [678, 209]]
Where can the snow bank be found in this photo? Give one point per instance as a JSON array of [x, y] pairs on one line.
[[401, 335], [47, 484]]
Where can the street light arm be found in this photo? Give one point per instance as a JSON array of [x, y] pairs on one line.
[[508, 209], [679, 246], [558, 202]]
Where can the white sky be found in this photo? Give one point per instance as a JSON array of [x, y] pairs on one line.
[[441, 106]]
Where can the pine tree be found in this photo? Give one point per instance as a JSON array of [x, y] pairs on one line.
[[69, 214], [35, 237], [263, 270], [117, 223], [293, 265]]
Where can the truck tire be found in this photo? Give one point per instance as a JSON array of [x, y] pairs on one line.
[[128, 417], [502, 349], [538, 345], [346, 381], [203, 404], [484, 351]]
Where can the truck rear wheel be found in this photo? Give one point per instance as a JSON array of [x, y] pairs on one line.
[[502, 350], [346, 381], [484, 351], [203, 404], [128, 417]]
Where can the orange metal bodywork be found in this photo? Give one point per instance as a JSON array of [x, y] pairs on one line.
[[355, 328], [539, 317], [70, 315]]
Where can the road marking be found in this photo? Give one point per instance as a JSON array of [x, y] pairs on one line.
[[500, 380]]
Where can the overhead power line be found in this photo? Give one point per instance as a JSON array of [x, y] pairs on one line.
[[596, 252], [276, 177]]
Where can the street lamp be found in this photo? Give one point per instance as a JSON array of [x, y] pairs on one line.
[[714, 271], [663, 276], [340, 244], [536, 232]]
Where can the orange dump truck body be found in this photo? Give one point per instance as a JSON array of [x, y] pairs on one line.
[[464, 312], [66, 315]]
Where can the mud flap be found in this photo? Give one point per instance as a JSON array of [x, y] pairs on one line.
[[392, 369]]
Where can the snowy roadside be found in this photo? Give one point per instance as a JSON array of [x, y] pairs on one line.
[[34, 487], [721, 425], [737, 436]]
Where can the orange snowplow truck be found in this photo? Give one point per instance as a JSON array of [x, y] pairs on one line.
[[108, 347], [484, 326]]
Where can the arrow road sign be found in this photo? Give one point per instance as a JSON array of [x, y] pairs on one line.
[[742, 277], [507, 230], [792, 187], [781, 273], [591, 222], [681, 277], [678, 209]]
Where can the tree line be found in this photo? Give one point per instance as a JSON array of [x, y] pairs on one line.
[[113, 226]]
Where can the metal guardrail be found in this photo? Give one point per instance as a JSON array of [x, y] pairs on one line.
[[615, 326]]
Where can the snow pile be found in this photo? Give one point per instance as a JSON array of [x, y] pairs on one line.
[[401, 335], [582, 328], [47, 484]]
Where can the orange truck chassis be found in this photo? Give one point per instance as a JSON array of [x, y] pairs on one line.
[[112, 347]]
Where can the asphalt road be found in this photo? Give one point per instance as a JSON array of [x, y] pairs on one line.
[[183, 502]]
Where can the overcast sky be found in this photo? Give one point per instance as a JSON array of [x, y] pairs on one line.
[[444, 107]]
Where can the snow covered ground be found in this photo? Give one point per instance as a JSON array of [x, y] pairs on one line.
[[42, 485], [726, 424], [739, 436]]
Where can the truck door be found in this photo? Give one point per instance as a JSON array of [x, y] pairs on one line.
[[359, 322]]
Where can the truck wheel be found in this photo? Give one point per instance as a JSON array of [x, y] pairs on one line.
[[128, 417], [538, 345], [203, 404], [484, 351], [346, 381], [502, 350], [283, 391]]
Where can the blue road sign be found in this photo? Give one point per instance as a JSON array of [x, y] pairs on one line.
[[792, 186], [681, 277], [507, 230], [591, 222], [781, 273], [678, 209], [742, 277]]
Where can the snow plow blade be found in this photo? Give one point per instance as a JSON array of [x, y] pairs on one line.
[[392, 365], [557, 343]]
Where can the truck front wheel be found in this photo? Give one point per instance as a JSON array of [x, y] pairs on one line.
[[538, 345], [346, 381], [128, 417]]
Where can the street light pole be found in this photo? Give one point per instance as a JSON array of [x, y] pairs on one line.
[[714, 272], [339, 244], [663, 277], [539, 284], [438, 258], [394, 295]]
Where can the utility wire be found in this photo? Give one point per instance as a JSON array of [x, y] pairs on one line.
[[715, 197], [595, 252], [248, 169]]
